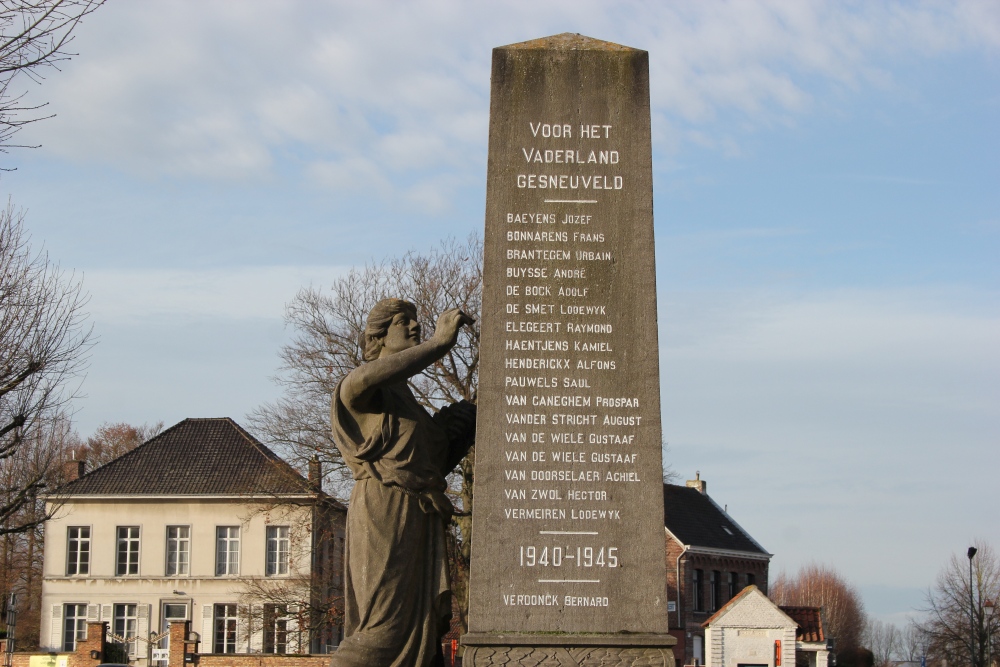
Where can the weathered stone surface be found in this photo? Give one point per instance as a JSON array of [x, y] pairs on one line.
[[396, 595], [568, 522], [556, 656]]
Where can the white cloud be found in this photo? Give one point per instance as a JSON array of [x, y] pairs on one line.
[[128, 297], [226, 89]]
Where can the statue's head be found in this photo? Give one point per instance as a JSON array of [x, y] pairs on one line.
[[392, 326]]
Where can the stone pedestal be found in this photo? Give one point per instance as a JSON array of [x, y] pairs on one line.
[[556, 651]]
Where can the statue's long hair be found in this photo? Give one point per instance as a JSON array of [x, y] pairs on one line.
[[378, 323]]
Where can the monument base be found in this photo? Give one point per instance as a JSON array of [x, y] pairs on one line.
[[567, 650]]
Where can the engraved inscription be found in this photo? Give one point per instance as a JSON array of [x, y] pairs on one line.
[[553, 291]]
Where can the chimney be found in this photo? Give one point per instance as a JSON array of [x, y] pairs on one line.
[[315, 475], [698, 483], [74, 469]]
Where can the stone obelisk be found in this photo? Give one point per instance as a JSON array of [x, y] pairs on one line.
[[568, 560]]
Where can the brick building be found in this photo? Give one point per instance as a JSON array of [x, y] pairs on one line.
[[711, 556], [202, 524]]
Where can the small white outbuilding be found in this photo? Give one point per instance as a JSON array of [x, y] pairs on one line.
[[752, 631]]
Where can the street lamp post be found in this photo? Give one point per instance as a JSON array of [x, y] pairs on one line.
[[988, 608], [972, 609]]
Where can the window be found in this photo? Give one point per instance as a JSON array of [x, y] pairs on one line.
[[78, 550], [126, 624], [277, 550], [225, 628], [275, 628], [74, 625], [227, 551], [734, 584], [751, 579], [173, 612], [178, 550], [128, 551], [697, 584], [715, 589]]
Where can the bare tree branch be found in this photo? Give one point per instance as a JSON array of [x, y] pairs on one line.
[[957, 629], [822, 586], [34, 35], [327, 327], [43, 348]]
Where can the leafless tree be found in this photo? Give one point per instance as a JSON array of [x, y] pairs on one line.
[[306, 603], [298, 605], [43, 347], [884, 640], [913, 642], [34, 34], [326, 346], [670, 476], [110, 441], [822, 586], [43, 338], [21, 552], [957, 628]]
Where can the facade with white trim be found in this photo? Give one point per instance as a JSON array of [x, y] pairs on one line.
[[243, 547]]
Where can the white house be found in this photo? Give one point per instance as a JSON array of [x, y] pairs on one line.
[[752, 631], [203, 523]]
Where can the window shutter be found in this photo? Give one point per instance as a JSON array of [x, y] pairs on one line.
[[294, 633], [207, 642], [56, 635], [142, 620], [243, 629], [255, 627], [93, 612], [107, 615]]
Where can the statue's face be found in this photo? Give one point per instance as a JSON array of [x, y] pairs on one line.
[[404, 333]]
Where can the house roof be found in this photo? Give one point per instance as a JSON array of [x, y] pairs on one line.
[[695, 520], [729, 605], [194, 457], [750, 608], [810, 623]]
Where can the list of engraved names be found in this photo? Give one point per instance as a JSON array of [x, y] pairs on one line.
[[569, 427]]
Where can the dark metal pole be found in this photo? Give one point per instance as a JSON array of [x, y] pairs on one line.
[[972, 610], [11, 629], [988, 608]]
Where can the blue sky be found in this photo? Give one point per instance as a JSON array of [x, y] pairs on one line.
[[827, 218]]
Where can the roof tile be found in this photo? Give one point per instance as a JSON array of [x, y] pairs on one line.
[[695, 520], [193, 457], [810, 623]]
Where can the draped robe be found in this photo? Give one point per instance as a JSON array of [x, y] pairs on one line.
[[397, 598]]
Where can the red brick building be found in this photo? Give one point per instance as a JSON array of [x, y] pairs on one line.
[[711, 556]]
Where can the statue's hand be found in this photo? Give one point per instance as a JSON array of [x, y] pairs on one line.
[[451, 320]]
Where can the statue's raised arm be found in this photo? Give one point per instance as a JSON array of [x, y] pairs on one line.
[[396, 593], [397, 354]]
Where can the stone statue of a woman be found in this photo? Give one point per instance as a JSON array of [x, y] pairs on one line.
[[397, 598]]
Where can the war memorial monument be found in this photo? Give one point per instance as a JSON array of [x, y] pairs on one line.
[[568, 562]]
